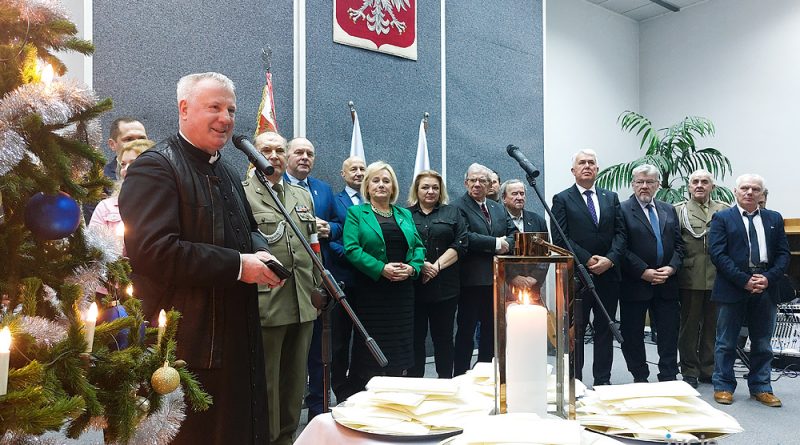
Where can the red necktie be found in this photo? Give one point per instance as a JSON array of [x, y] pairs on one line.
[[486, 213]]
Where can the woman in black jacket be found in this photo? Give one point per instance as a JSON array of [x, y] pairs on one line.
[[436, 292]]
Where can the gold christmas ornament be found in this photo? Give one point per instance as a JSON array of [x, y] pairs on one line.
[[165, 380]]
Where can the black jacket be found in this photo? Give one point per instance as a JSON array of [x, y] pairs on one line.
[[440, 230], [178, 209]]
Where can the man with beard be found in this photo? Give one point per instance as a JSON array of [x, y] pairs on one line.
[[654, 255]]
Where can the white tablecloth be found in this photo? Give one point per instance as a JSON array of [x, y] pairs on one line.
[[323, 430]]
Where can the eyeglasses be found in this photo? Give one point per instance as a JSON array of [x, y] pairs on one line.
[[474, 180], [641, 182]]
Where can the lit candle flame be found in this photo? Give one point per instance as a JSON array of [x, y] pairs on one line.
[[120, 230], [129, 290], [47, 74], [91, 314], [524, 297], [162, 319], [5, 340]]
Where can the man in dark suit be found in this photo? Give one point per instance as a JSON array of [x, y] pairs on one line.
[[512, 195], [592, 221], [654, 255], [353, 169], [300, 162], [748, 246], [489, 232]]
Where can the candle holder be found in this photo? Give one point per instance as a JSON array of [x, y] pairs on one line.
[[546, 281]]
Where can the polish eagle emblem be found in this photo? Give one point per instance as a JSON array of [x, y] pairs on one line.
[[381, 18]]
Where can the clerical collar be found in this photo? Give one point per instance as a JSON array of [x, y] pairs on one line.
[[211, 159]]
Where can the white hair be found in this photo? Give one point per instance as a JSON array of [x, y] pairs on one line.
[[751, 177], [478, 168], [585, 151], [702, 173], [187, 83], [648, 170], [505, 185]]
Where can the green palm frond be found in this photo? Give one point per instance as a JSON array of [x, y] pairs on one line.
[[673, 150]]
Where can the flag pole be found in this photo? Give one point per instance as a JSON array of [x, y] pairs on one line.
[[266, 57], [352, 110], [425, 117]]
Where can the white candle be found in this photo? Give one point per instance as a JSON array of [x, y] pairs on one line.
[[526, 358], [5, 352], [89, 324], [162, 326]]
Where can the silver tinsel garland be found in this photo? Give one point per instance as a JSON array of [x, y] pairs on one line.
[[46, 332], [38, 12], [105, 240], [12, 148]]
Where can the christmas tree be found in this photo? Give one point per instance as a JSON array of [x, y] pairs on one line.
[[59, 377]]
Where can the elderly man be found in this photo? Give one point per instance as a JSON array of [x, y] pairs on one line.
[[191, 239], [512, 194], [695, 280], [750, 249], [654, 255], [287, 315], [591, 219], [489, 232], [352, 172], [300, 163]]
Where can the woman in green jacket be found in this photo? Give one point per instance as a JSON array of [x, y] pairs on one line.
[[382, 243]]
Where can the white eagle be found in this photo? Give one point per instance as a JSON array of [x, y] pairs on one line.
[[377, 21]]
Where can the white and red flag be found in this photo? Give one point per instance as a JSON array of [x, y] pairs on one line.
[[423, 161], [266, 111]]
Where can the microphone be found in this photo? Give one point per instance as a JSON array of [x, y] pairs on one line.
[[526, 165], [245, 146]]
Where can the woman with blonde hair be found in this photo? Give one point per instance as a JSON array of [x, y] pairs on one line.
[[106, 214], [382, 243], [444, 234]]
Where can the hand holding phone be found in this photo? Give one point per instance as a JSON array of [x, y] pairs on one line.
[[276, 267]]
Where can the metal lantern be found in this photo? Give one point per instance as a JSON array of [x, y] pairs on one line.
[[534, 329]]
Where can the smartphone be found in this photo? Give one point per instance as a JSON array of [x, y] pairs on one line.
[[282, 272]]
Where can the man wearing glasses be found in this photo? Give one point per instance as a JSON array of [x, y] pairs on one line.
[[489, 232], [654, 255]]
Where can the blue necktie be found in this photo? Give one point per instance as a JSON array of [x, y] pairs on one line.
[[755, 251], [654, 224], [590, 204]]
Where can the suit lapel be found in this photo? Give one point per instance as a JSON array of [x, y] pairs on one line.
[[477, 210], [638, 212], [662, 216], [578, 200], [371, 221]]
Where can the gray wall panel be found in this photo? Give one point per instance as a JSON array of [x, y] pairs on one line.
[[144, 47], [390, 94], [494, 87]]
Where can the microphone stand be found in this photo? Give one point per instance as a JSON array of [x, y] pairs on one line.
[[583, 274], [330, 288]]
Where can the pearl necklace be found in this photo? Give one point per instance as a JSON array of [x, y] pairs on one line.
[[385, 214]]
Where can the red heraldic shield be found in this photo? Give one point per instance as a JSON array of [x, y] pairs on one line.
[[387, 26]]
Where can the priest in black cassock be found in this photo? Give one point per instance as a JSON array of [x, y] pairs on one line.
[[194, 247]]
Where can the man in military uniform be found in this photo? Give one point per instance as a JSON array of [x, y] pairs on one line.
[[696, 279], [287, 315]]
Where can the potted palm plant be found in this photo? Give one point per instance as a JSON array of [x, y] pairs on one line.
[[674, 151]]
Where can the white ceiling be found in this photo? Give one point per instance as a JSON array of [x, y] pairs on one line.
[[642, 9]]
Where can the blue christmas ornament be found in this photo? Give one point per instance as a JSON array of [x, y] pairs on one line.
[[110, 314], [52, 217]]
